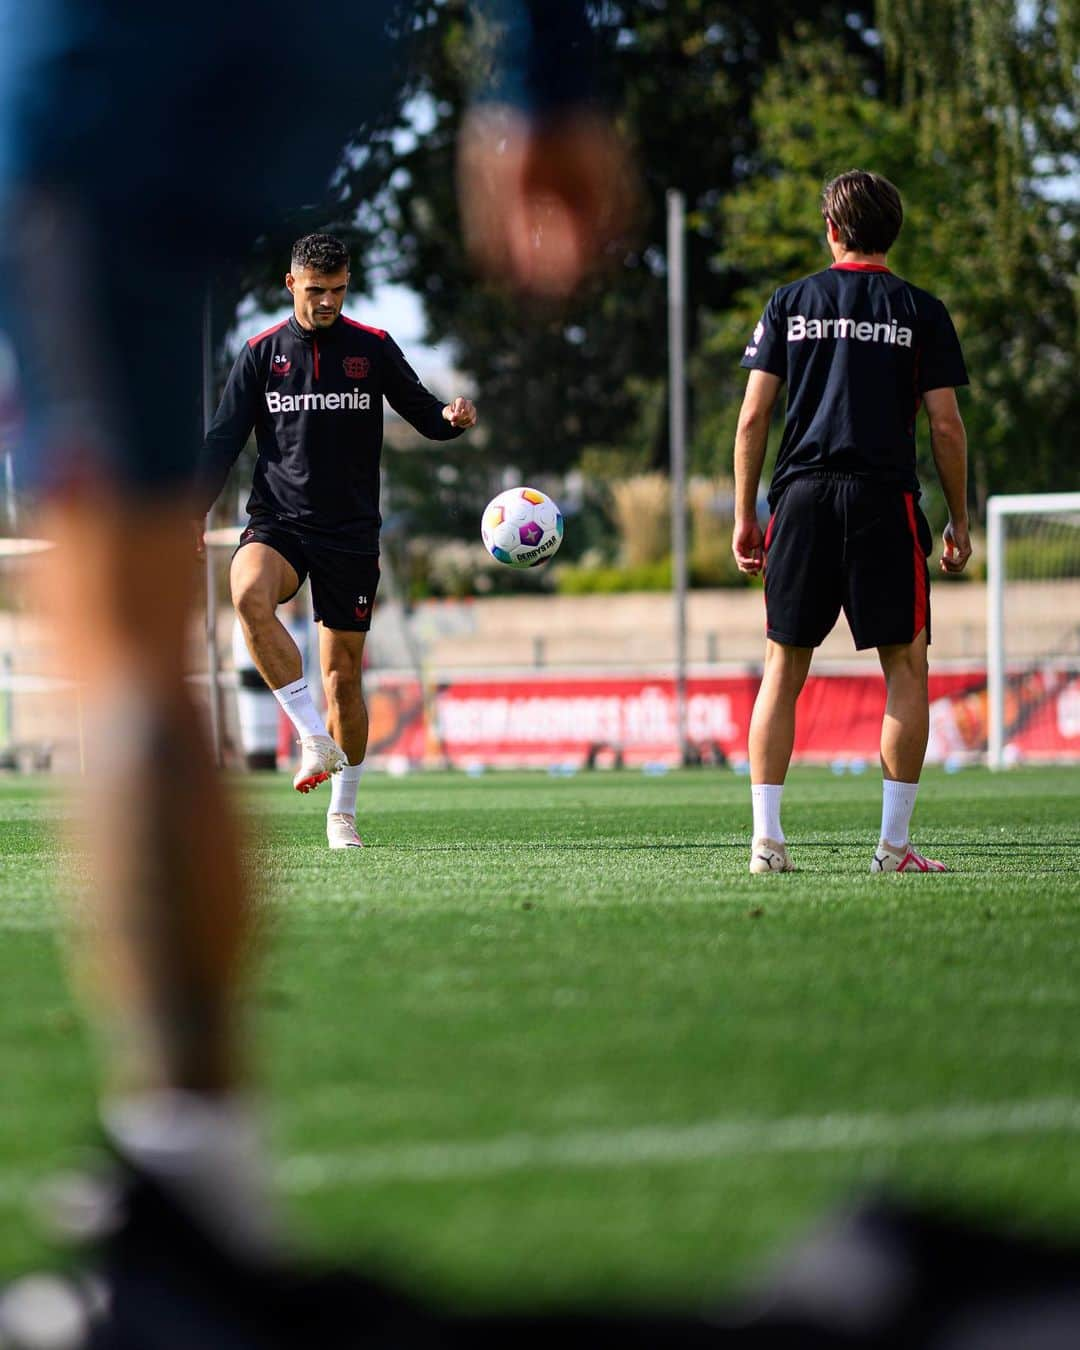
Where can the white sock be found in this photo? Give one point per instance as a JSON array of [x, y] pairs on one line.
[[296, 701], [343, 787], [206, 1151], [766, 799], [897, 804]]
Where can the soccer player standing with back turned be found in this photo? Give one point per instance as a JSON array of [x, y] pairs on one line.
[[312, 388], [861, 349]]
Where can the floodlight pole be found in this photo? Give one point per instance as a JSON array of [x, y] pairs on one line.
[[676, 251], [212, 663]]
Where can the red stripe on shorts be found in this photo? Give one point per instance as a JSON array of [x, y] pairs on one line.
[[920, 565], [765, 558]]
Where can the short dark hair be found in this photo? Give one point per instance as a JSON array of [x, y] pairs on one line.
[[320, 253], [866, 210]]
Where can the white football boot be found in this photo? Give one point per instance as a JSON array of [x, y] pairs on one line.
[[766, 855], [319, 758], [341, 831], [907, 859]]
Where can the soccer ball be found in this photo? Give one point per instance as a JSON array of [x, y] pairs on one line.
[[521, 527]]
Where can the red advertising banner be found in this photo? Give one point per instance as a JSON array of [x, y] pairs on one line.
[[544, 719]]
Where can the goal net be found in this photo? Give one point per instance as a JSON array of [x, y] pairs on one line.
[[1033, 628]]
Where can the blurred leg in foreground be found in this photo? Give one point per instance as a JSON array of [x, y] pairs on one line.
[[170, 917]]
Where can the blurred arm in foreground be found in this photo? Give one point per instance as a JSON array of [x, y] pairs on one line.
[[541, 201], [545, 182]]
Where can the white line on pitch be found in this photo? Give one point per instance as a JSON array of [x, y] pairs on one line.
[[712, 1140], [674, 1144]]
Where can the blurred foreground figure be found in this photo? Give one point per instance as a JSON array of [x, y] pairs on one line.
[[878, 1276], [141, 147]]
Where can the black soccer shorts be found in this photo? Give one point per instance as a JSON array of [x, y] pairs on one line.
[[343, 585], [836, 541]]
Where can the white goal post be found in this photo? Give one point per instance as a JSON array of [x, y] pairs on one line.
[[1065, 508]]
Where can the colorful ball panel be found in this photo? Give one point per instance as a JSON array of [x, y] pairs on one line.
[[522, 527], [531, 534]]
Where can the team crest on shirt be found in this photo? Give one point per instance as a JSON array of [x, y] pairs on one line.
[[751, 349], [280, 365], [357, 367]]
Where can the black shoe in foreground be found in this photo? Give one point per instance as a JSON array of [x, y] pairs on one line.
[[154, 1278]]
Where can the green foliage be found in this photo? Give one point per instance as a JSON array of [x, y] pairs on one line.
[[639, 511], [588, 580], [554, 382], [1049, 556], [714, 570], [1012, 66], [968, 106], [991, 87], [1017, 322]]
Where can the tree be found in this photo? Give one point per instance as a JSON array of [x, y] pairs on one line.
[[1012, 66], [1011, 290], [748, 109], [553, 383]]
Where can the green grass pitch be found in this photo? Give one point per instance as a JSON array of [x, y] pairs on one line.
[[546, 1039]]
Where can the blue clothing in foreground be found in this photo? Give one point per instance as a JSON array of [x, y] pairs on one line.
[[142, 146]]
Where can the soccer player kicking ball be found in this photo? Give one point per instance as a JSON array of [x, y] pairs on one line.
[[860, 349], [312, 387]]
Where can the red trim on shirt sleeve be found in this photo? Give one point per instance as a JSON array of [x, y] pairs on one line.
[[920, 568], [252, 342], [378, 332]]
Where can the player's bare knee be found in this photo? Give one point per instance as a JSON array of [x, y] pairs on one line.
[[341, 683], [253, 604], [908, 671], [786, 667]]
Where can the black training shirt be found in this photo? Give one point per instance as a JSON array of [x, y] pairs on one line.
[[858, 347], [315, 401]]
